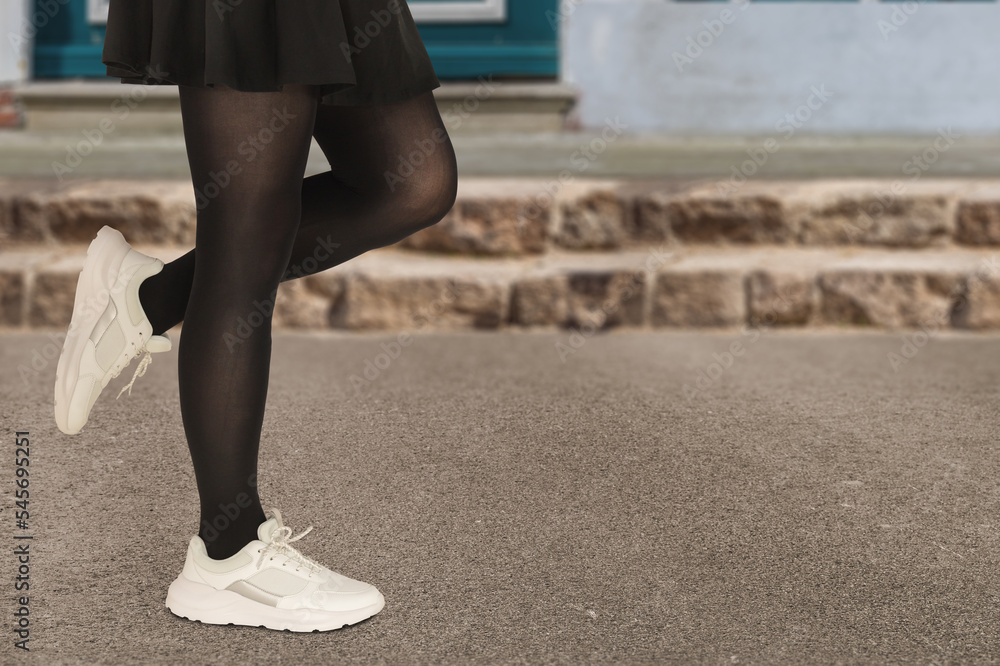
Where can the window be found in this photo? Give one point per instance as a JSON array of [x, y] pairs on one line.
[[97, 11], [458, 11], [424, 11]]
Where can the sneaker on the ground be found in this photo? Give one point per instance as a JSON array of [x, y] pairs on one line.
[[107, 329], [270, 584]]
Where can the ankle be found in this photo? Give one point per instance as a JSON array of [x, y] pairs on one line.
[[225, 536], [221, 548], [145, 300]]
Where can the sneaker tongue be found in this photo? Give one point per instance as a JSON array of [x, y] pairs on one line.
[[158, 344], [266, 529]]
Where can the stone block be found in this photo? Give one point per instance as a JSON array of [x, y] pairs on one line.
[[373, 302], [889, 298], [887, 213], [650, 220], [12, 294], [297, 307], [748, 217], [979, 309], [157, 212], [978, 218], [488, 225], [540, 300], [592, 219], [605, 299], [52, 297], [698, 298], [781, 298]]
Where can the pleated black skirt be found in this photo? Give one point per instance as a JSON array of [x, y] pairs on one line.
[[358, 51]]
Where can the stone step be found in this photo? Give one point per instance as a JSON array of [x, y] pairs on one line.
[[530, 216], [484, 105], [661, 286]]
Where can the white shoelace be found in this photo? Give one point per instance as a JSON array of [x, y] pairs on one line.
[[281, 539], [139, 372]]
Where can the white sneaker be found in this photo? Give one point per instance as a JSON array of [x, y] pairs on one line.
[[107, 330], [269, 584]]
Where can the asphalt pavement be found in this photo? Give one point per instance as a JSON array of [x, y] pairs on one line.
[[535, 497]]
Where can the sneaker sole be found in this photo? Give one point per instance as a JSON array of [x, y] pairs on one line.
[[203, 603]]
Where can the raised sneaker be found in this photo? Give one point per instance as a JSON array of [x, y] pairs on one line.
[[107, 330], [270, 584]]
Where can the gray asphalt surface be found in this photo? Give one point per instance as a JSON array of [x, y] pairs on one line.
[[809, 505]]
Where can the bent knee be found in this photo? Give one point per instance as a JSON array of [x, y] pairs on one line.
[[441, 203], [428, 197]]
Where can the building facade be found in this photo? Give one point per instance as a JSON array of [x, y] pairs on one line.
[[699, 67]]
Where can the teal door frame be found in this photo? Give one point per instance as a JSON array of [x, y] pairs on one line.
[[523, 44]]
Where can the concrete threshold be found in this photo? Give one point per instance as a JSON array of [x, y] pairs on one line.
[[580, 154], [483, 105]]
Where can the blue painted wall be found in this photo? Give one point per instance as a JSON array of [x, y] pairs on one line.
[[887, 72], [524, 45]]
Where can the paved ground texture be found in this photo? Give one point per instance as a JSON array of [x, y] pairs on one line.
[[802, 502]]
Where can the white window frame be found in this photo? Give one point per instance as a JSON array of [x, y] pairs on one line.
[[97, 11], [469, 11], [474, 11]]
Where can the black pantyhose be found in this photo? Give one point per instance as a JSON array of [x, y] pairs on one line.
[[260, 223]]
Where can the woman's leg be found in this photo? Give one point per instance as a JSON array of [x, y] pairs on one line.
[[393, 172], [244, 241]]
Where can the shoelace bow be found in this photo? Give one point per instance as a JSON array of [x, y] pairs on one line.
[[139, 371], [281, 539]]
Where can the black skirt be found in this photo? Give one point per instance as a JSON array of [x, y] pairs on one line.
[[357, 51]]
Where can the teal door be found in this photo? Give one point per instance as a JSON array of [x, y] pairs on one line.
[[69, 39], [469, 38], [465, 38]]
